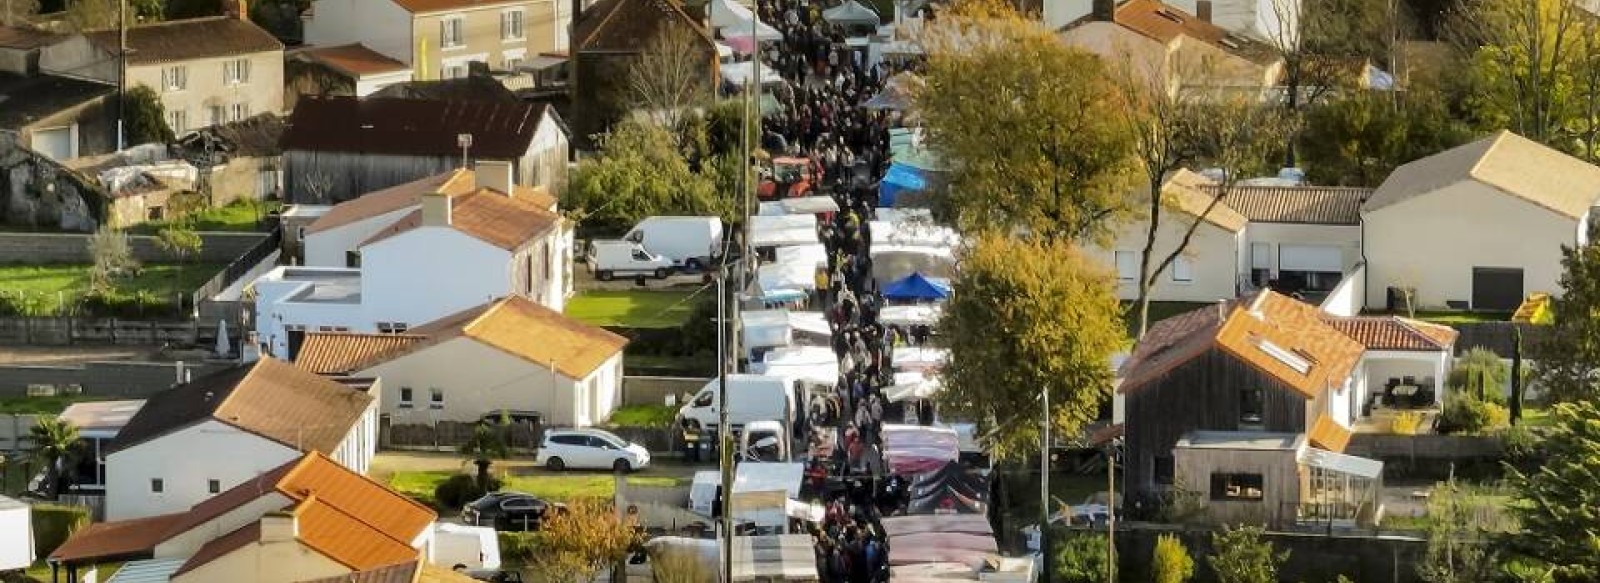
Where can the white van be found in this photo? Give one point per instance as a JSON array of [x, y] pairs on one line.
[[751, 398], [692, 243], [477, 547], [608, 259]]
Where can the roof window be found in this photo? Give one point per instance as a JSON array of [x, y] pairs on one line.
[[1290, 358]]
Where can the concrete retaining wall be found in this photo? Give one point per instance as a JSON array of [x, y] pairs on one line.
[[643, 390], [44, 248]]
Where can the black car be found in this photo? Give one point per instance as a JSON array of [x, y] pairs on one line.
[[494, 575], [507, 511]]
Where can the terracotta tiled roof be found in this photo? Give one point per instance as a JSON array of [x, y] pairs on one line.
[[397, 573], [1254, 327], [1395, 333], [121, 538], [426, 6], [488, 215], [522, 328], [354, 59], [271, 398], [220, 547], [412, 127], [394, 198], [1165, 23], [347, 539], [376, 505], [1315, 205], [610, 25], [1184, 192], [1505, 161], [1294, 327], [339, 352], [193, 38], [1329, 434]]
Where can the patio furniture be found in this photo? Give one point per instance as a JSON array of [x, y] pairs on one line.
[[1405, 395]]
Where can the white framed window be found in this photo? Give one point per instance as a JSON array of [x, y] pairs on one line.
[[511, 63], [219, 115], [236, 71], [435, 398], [1182, 269], [511, 22], [405, 397], [240, 111], [214, 486], [452, 32], [157, 485], [1127, 265], [178, 120], [175, 78], [392, 327], [1260, 256]]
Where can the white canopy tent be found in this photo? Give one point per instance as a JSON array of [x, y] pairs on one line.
[[914, 315], [744, 72], [913, 233], [911, 386], [732, 19], [780, 231], [765, 328], [815, 254], [807, 205], [851, 13], [917, 358], [775, 277]]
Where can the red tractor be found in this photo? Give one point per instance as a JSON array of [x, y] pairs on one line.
[[789, 178]]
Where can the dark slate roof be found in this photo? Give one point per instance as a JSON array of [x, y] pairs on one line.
[[255, 136], [18, 37], [411, 127], [193, 38], [469, 88], [27, 99], [1314, 205]]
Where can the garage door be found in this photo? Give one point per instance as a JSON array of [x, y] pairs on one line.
[[56, 143], [1321, 258], [1496, 289]]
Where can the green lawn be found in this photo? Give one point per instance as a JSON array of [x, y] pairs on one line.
[[547, 485], [240, 215], [40, 571], [43, 405], [52, 283], [1448, 317], [643, 416], [633, 309]]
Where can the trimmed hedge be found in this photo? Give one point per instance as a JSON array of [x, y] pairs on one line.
[[54, 523]]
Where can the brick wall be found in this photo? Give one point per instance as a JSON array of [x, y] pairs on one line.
[[40, 248]]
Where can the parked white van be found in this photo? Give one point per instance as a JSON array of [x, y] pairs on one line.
[[692, 243], [609, 259], [751, 398]]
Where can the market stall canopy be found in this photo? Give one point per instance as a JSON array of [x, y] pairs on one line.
[[744, 72], [917, 449], [764, 328], [892, 262], [734, 20], [724, 51], [897, 93], [914, 233], [952, 488], [916, 315], [782, 231], [900, 178], [916, 287], [909, 358], [777, 277], [912, 386], [851, 13], [806, 205], [786, 557]]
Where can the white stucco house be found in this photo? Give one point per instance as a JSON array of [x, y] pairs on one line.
[[203, 437], [372, 260], [1295, 238], [1175, 50], [1268, 20], [524, 357], [307, 519], [1479, 226]]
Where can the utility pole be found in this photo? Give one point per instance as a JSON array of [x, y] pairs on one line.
[[724, 444], [1044, 487], [1111, 511], [122, 74]]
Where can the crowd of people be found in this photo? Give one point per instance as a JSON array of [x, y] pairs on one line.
[[821, 117]]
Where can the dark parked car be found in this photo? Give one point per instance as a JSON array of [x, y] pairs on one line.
[[495, 575], [507, 511]]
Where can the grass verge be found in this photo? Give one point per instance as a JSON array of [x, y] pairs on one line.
[[632, 309], [52, 284], [237, 216], [556, 487], [643, 416]]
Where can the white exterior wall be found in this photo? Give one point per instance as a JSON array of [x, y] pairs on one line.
[[369, 84], [1213, 253], [431, 272], [1059, 13], [273, 562], [495, 380], [274, 311], [206, 86], [327, 248], [382, 25], [1347, 238], [1346, 298], [190, 541], [1432, 242], [184, 460], [361, 444], [1379, 366]]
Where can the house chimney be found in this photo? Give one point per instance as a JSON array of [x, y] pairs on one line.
[[1202, 10], [1222, 309], [239, 9], [1103, 10], [278, 527], [435, 210], [494, 174]]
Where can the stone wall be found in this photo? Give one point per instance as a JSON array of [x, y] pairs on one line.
[[43, 248], [35, 191], [126, 380]]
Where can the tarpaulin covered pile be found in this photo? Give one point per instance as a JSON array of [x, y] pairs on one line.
[[916, 449], [950, 489], [965, 539]]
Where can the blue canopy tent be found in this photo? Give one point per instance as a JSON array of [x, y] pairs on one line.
[[916, 287], [900, 177]]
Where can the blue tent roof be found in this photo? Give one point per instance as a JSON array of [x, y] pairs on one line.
[[916, 287], [899, 177]]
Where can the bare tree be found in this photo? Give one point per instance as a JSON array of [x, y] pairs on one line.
[[670, 75], [1160, 121]]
